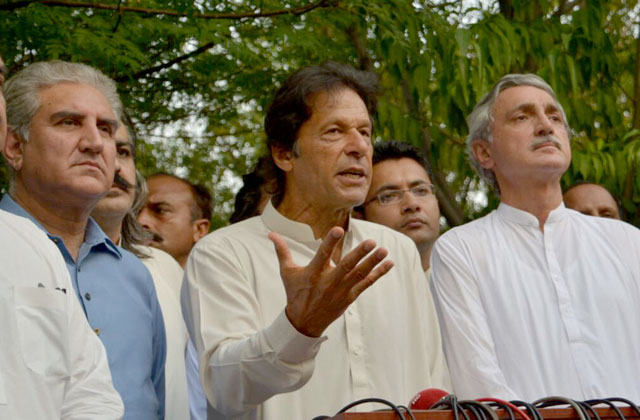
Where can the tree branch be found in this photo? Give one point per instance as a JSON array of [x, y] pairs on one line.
[[90, 5], [154, 69]]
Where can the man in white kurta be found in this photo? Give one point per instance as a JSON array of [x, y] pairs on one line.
[[535, 299], [52, 365], [255, 353], [302, 328]]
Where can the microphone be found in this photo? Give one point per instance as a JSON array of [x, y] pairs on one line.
[[424, 400]]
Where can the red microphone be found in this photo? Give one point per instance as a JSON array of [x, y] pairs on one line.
[[424, 400]]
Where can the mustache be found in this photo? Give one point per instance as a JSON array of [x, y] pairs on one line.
[[548, 138], [155, 236], [122, 183]]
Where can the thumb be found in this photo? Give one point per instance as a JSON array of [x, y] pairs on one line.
[[282, 251]]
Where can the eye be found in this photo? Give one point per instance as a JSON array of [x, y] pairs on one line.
[[556, 118], [521, 117], [389, 197], [68, 121], [124, 152], [421, 191], [365, 132], [105, 128], [160, 210]]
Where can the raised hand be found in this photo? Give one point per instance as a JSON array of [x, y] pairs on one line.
[[319, 293]]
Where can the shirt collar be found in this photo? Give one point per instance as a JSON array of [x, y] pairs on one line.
[[94, 235], [525, 218], [299, 232]]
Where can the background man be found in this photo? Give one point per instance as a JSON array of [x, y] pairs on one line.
[[252, 198], [60, 147], [48, 351], [177, 213], [536, 300], [262, 319], [402, 196], [115, 213], [592, 199]]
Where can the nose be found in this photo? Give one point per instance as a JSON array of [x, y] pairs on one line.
[[359, 144], [544, 125], [410, 203], [92, 139], [144, 219]]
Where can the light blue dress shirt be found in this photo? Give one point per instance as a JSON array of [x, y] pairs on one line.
[[119, 299]]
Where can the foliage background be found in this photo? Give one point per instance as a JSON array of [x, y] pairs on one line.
[[196, 76]]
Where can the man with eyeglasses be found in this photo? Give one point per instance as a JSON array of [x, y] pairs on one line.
[[402, 197]]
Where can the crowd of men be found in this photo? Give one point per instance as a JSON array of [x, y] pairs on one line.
[[330, 285]]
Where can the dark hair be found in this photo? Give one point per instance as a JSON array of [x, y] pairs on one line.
[[291, 108], [202, 207], [257, 182], [394, 149]]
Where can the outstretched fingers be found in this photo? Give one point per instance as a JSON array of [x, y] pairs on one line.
[[282, 251], [353, 258], [327, 247], [371, 278]]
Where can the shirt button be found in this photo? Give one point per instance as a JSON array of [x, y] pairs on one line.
[[87, 296], [97, 331]]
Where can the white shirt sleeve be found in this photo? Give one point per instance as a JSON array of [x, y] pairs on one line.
[[242, 363], [467, 338], [51, 351]]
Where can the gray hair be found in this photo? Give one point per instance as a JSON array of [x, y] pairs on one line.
[[481, 118], [22, 91], [133, 234]]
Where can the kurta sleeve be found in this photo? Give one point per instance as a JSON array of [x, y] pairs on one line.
[[242, 362]]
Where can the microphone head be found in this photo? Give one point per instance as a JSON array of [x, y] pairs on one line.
[[424, 400]]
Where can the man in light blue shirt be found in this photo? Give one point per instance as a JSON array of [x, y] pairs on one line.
[[60, 149]]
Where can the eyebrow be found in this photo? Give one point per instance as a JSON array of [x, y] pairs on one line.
[[76, 115], [120, 143], [530, 107], [388, 187]]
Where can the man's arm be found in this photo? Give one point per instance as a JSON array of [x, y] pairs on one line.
[[90, 393], [242, 362], [467, 338]]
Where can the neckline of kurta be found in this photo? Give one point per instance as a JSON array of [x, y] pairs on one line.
[[521, 217]]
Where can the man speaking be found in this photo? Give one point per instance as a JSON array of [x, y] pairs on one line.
[[535, 299], [298, 312]]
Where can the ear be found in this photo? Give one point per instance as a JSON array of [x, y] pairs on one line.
[[482, 151], [200, 229], [13, 149], [282, 157]]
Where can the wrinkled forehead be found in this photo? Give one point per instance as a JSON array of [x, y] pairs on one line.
[[515, 97]]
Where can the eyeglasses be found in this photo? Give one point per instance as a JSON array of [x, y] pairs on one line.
[[389, 197]]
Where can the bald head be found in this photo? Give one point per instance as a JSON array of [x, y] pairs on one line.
[[592, 200]]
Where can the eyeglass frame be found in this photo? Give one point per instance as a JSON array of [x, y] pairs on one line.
[[431, 187]]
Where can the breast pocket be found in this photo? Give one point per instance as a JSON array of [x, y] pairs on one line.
[[42, 329]]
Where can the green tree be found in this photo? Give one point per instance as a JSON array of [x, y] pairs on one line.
[[197, 76]]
